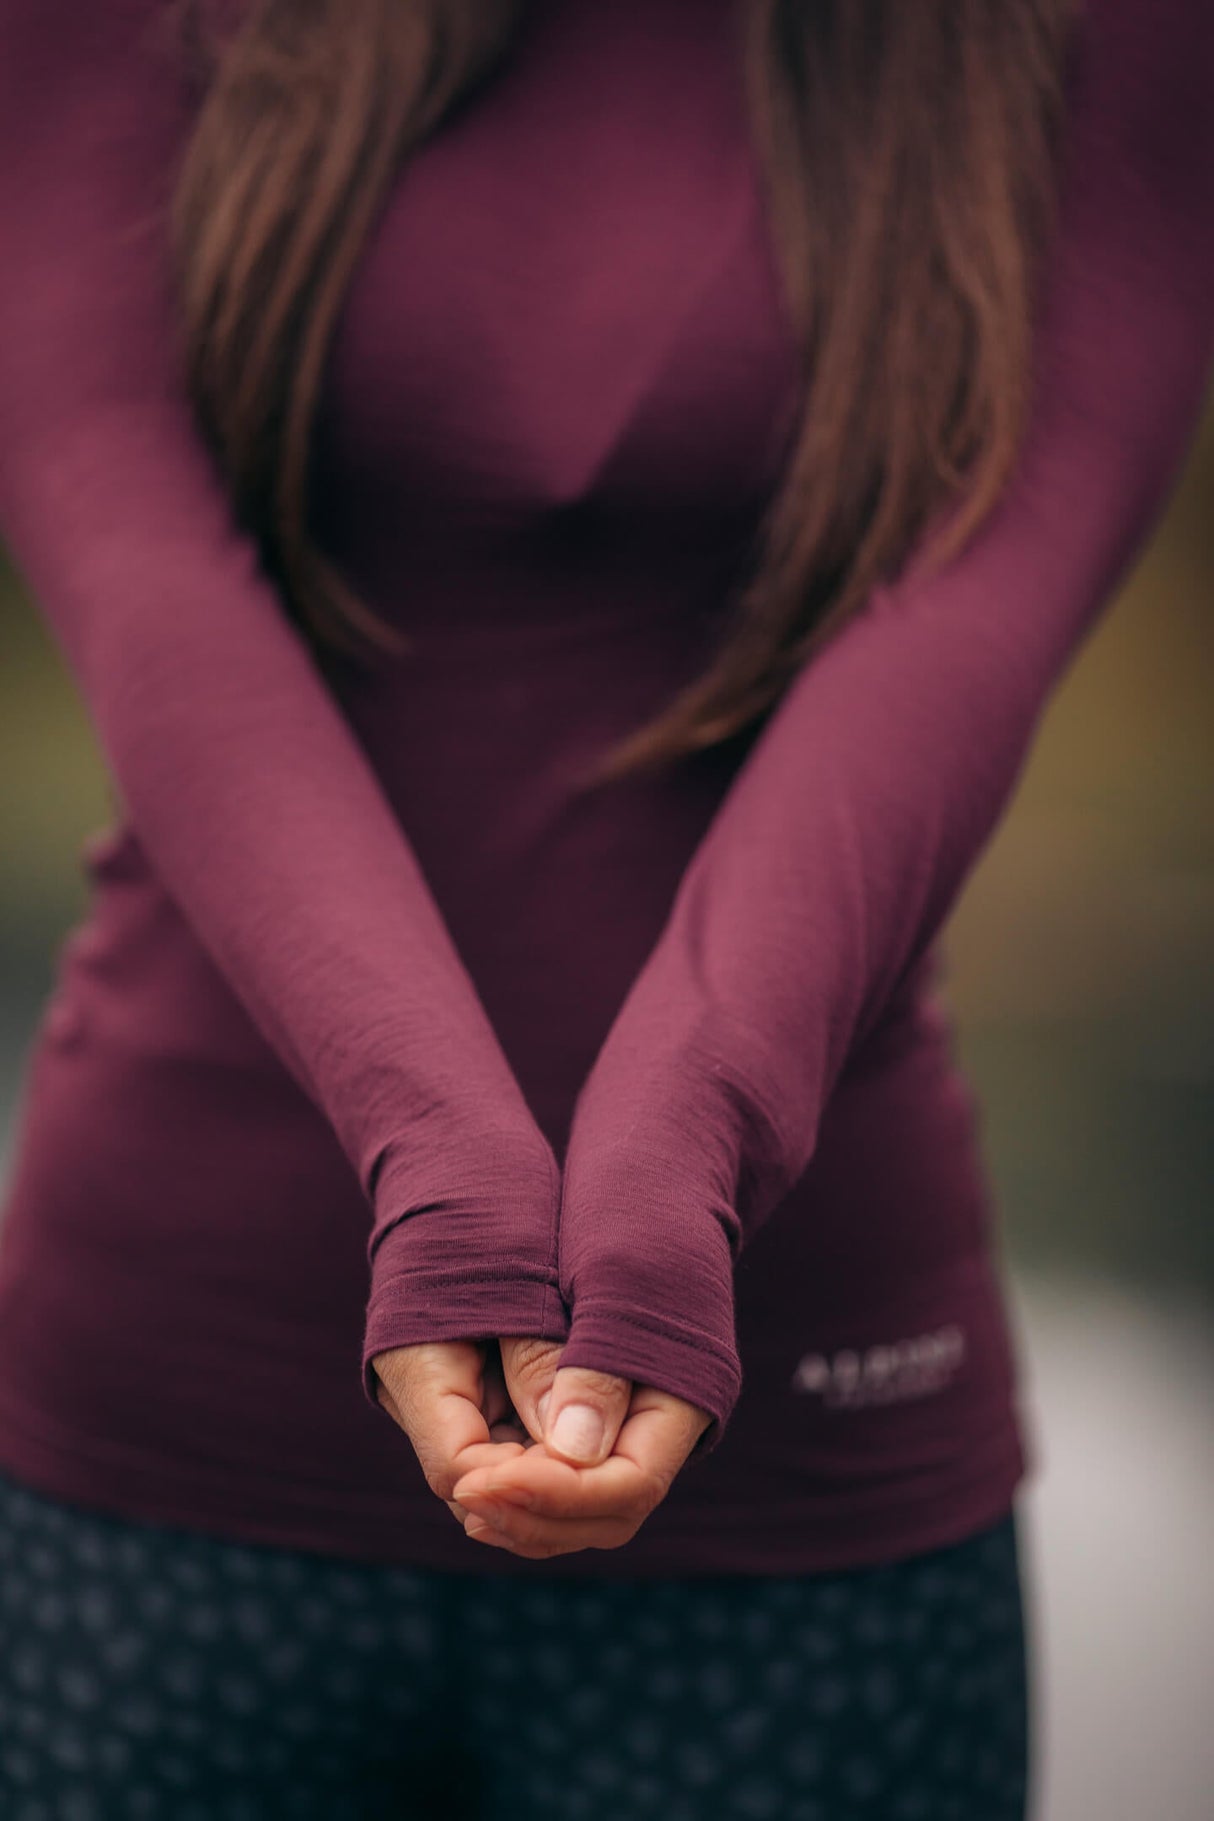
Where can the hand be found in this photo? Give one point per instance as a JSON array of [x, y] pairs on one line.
[[464, 1402], [473, 1408], [450, 1399], [537, 1504]]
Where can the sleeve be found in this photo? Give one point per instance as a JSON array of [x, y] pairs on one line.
[[246, 785], [849, 829]]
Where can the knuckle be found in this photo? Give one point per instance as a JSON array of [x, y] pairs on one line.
[[592, 1382], [530, 1359]]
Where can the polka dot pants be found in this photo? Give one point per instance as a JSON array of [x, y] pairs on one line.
[[151, 1672]]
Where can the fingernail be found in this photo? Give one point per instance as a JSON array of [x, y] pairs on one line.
[[541, 1409], [578, 1432]]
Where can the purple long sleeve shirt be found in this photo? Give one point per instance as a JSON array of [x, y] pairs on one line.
[[375, 1030]]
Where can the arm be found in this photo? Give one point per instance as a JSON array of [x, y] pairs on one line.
[[849, 830], [247, 788]]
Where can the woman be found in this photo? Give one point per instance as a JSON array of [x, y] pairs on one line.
[[564, 518]]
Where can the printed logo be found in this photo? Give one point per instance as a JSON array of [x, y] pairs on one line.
[[882, 1374]]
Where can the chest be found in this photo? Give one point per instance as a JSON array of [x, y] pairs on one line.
[[570, 298]]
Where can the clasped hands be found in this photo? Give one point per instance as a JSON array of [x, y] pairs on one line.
[[531, 1457]]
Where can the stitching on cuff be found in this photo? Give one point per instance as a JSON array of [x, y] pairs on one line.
[[664, 1327]]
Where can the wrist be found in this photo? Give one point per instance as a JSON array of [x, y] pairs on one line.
[[464, 1241], [466, 1187], [684, 1358], [647, 1273], [489, 1300]]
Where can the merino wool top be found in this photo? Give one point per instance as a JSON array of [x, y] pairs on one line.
[[376, 1028]]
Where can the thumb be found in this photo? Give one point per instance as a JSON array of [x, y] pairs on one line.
[[434, 1390], [529, 1367], [583, 1413]]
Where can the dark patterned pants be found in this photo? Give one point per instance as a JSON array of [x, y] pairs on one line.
[[153, 1672]]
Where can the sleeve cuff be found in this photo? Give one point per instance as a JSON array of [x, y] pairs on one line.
[[677, 1357], [515, 1298]]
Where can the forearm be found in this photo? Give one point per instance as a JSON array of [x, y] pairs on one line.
[[248, 789], [848, 832]]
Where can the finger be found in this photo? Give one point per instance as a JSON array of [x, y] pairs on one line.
[[517, 1519], [524, 1533], [529, 1367], [661, 1432], [495, 1397], [510, 1430], [536, 1481], [434, 1391], [552, 1489], [651, 1447], [583, 1414]]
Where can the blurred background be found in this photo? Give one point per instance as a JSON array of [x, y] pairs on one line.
[[1082, 978]]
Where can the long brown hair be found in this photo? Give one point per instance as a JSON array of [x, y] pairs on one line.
[[908, 153]]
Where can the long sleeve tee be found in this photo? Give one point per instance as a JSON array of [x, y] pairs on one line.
[[375, 1029]]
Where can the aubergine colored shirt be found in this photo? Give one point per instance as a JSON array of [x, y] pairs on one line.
[[376, 1029]]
